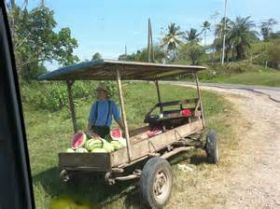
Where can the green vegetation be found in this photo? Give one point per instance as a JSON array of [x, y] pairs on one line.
[[265, 78], [241, 73], [49, 132], [250, 57], [36, 40]]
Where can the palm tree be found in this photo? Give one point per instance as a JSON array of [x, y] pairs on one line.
[[219, 31], [192, 35], [172, 39], [266, 27], [220, 27], [205, 27], [241, 35]]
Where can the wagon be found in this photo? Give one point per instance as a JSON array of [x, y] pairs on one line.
[[145, 157]]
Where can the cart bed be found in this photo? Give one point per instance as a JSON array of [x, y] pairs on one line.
[[140, 147], [99, 162]]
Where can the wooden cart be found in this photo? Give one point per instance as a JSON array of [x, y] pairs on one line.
[[144, 158]]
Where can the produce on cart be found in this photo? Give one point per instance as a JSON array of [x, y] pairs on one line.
[[171, 127], [94, 143]]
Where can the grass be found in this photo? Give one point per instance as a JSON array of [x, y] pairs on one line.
[[241, 73], [251, 78], [50, 133]]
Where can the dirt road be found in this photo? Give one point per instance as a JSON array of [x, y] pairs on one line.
[[253, 179]]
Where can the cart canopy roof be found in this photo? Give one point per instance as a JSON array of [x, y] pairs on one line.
[[106, 70]]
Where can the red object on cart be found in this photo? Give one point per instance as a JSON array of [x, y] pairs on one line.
[[186, 112], [153, 132]]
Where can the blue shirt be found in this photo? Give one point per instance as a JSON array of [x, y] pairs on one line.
[[101, 115]]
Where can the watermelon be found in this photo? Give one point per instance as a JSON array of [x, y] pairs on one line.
[[93, 143], [81, 150], [122, 141], [70, 150], [78, 140], [116, 133], [99, 150], [116, 144], [107, 146]]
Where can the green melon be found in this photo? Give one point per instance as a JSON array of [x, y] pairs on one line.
[[107, 146], [99, 150], [93, 143], [81, 150], [116, 144], [70, 150]]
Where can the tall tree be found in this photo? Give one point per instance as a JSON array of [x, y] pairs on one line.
[[96, 56], [36, 42], [266, 28], [206, 26], [172, 39], [192, 35], [141, 55], [193, 51], [220, 27], [219, 31], [241, 35]]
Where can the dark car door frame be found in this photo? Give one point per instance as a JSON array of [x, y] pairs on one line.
[[15, 176]]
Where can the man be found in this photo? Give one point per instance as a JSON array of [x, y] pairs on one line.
[[100, 117]]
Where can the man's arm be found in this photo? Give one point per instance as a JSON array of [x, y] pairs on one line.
[[117, 116], [120, 123]]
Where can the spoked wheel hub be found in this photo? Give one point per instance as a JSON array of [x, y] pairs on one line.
[[161, 186]]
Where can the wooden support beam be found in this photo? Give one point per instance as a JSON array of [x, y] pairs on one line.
[[176, 151], [71, 105], [159, 97], [124, 115], [200, 100]]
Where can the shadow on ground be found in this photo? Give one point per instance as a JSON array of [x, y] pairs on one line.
[[198, 159], [89, 188], [86, 187]]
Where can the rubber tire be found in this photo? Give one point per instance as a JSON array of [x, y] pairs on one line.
[[212, 147], [147, 181]]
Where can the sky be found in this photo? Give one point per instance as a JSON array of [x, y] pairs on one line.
[[106, 26]]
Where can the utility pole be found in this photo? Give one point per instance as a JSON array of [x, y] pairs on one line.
[[224, 35], [150, 48]]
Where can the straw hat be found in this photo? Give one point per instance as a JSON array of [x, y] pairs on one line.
[[103, 87]]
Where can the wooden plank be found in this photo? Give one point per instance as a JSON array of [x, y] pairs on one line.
[[94, 161], [159, 98], [179, 102], [150, 145], [200, 100], [138, 131]]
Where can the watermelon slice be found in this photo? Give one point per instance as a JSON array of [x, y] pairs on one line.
[[78, 140], [116, 134]]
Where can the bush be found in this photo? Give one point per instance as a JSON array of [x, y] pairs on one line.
[[274, 54], [53, 96], [218, 70]]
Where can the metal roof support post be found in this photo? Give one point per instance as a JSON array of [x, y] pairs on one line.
[[158, 94], [124, 115], [71, 104], [199, 97]]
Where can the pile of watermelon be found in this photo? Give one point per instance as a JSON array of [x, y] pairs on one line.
[[83, 144]]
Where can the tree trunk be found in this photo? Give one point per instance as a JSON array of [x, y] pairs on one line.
[[239, 52]]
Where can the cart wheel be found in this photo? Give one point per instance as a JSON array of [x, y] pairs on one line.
[[156, 182], [212, 149]]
